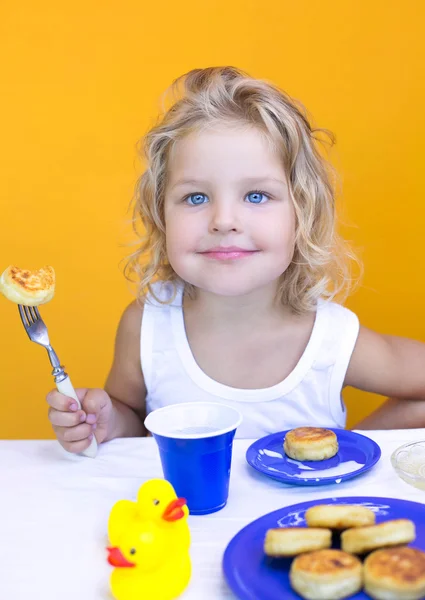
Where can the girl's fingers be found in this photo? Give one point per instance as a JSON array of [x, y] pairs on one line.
[[66, 419], [61, 402], [77, 447], [73, 434]]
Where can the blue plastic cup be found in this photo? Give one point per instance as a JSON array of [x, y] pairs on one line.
[[195, 441]]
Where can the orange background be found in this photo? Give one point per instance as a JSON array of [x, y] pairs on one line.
[[81, 83]]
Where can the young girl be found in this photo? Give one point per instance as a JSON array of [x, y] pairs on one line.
[[237, 297]]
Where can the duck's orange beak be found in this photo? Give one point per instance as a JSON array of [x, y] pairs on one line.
[[174, 510], [117, 559]]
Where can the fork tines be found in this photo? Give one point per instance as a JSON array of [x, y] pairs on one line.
[[29, 314]]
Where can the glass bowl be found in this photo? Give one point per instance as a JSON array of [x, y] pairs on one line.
[[409, 463]]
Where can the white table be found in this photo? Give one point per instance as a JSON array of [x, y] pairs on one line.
[[54, 509]]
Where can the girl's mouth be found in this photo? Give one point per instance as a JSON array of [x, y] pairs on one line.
[[228, 253]]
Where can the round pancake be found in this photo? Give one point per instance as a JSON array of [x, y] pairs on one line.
[[395, 574], [30, 288], [310, 443], [360, 540], [290, 541], [339, 516], [326, 575]]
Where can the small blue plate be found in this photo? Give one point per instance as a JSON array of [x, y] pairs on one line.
[[356, 454], [252, 575]]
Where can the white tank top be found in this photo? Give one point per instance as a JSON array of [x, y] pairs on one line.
[[309, 396]]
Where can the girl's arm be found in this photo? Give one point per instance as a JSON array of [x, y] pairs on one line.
[[125, 383], [395, 413], [390, 366]]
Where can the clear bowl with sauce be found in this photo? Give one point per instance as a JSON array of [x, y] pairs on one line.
[[409, 463]]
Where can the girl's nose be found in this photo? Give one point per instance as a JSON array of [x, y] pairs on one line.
[[225, 217]]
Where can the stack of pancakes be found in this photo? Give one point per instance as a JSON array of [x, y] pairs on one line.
[[392, 571]]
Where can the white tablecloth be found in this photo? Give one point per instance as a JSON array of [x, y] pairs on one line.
[[54, 509]]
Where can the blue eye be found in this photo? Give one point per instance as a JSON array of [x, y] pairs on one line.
[[257, 197], [196, 199]]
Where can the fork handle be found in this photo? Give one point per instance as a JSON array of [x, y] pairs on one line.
[[65, 387]]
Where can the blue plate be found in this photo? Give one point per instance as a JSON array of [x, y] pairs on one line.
[[356, 454], [252, 575]]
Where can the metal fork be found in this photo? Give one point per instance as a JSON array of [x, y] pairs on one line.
[[37, 332]]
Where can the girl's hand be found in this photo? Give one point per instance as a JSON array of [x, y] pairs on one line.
[[75, 428]]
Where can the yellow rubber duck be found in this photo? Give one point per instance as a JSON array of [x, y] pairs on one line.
[[149, 544]]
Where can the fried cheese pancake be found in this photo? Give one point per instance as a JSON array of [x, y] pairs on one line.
[[339, 516], [310, 443], [360, 540], [326, 575], [290, 541], [30, 288], [395, 574]]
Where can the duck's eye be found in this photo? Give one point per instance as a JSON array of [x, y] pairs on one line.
[[156, 502], [132, 550]]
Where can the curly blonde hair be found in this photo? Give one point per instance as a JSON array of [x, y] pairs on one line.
[[217, 95]]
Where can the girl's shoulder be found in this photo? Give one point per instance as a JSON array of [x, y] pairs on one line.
[[335, 310], [164, 293], [338, 324]]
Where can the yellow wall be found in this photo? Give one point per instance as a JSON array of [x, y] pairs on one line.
[[80, 83]]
